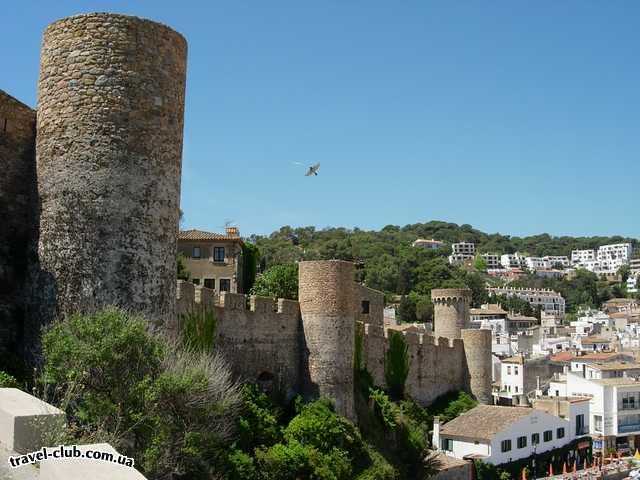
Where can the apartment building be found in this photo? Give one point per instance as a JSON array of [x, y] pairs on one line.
[[213, 260], [581, 256], [634, 266], [614, 392], [492, 260], [551, 302], [462, 252], [513, 260]]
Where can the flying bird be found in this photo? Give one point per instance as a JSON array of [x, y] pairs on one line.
[[313, 170]]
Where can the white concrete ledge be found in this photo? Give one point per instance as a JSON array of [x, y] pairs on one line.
[[88, 469], [25, 421]]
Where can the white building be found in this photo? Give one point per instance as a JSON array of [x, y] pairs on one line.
[[513, 260], [428, 244], [634, 266], [614, 390], [462, 252], [578, 257], [512, 378], [557, 261], [550, 301], [632, 283], [535, 263], [500, 435], [492, 260]]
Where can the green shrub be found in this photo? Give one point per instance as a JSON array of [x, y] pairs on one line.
[[258, 423], [199, 329], [8, 381], [241, 466], [280, 281], [396, 364]]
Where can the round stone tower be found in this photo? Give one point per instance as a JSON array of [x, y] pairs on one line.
[[477, 351], [109, 147], [327, 305], [450, 311]]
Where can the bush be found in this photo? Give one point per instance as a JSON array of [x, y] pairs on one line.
[[172, 409], [280, 281], [258, 423], [396, 364], [7, 381], [199, 329]]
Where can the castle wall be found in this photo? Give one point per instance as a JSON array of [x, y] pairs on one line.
[[436, 366], [479, 363], [373, 300], [260, 337], [17, 212], [109, 145], [451, 311]]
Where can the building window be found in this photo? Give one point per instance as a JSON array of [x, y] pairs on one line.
[[508, 370], [522, 442], [597, 423], [218, 254], [365, 307], [196, 252], [548, 435], [196, 281], [535, 438], [225, 285], [210, 283], [505, 445], [447, 445], [560, 432], [515, 370]]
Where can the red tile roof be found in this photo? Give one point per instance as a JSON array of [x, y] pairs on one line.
[[202, 235]]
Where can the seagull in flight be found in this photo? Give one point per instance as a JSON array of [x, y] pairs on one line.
[[313, 170]]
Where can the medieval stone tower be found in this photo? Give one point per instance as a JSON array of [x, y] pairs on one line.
[[477, 352], [327, 307], [451, 311], [109, 146]]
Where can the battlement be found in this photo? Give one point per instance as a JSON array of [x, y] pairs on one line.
[[189, 296], [449, 295]]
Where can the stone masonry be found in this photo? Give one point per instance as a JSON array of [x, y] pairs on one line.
[[109, 147]]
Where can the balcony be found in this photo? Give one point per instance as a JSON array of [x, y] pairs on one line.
[[629, 428]]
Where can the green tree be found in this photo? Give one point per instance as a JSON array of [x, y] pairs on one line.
[[250, 259], [396, 364], [181, 266], [407, 309], [280, 281], [480, 264]]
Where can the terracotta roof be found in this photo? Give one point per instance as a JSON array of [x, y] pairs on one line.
[[517, 359], [592, 340], [202, 235], [615, 366], [484, 421], [562, 357], [599, 356]]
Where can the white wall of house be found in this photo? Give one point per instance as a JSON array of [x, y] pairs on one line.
[[511, 379]]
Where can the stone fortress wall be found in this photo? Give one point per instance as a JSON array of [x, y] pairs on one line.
[[309, 346], [17, 211], [100, 200]]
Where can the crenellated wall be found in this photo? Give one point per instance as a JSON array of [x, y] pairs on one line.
[[265, 341], [436, 365], [260, 337]]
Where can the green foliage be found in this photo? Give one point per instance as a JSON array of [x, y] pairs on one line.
[[514, 304], [198, 329], [384, 408], [8, 381], [182, 272], [250, 259], [450, 405], [258, 423], [407, 310], [280, 281], [171, 409], [396, 364], [107, 354], [480, 263]]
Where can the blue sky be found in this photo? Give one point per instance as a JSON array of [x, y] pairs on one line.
[[516, 117]]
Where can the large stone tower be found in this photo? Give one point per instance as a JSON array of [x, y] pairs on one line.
[[477, 351], [327, 305], [451, 311], [109, 146]]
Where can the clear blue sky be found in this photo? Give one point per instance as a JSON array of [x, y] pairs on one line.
[[516, 117]]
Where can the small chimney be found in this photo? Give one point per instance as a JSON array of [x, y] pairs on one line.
[[232, 231], [435, 439]]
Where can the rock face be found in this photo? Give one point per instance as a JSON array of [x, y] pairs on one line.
[[109, 147]]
